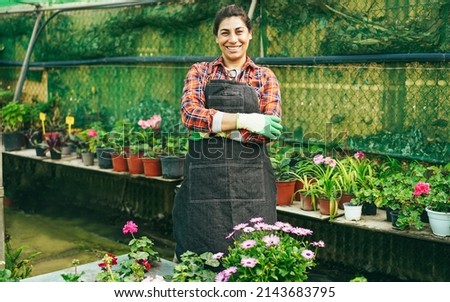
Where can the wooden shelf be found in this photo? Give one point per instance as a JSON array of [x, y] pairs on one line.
[[73, 161]]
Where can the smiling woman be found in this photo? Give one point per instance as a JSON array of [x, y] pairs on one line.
[[232, 108]]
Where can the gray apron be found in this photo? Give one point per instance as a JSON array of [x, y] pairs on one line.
[[226, 182]]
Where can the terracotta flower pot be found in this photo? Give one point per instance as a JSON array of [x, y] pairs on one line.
[[328, 207], [306, 203], [298, 186], [119, 162], [152, 166], [135, 165], [285, 190]]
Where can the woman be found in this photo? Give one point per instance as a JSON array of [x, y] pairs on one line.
[[232, 108]]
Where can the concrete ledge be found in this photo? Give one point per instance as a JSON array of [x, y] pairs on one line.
[[162, 268], [377, 223]]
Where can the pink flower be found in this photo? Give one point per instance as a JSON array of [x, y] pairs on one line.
[[282, 225], [308, 254], [248, 244], [271, 240], [221, 277], [318, 159], [224, 275], [248, 229], [92, 133], [359, 155], [229, 235], [421, 188], [301, 231], [218, 255], [249, 262], [154, 122], [329, 161], [319, 243], [256, 219], [130, 227], [240, 226]]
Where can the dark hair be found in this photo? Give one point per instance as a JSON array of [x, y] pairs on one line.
[[231, 11]]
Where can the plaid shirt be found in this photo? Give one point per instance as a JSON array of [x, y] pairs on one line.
[[198, 118]]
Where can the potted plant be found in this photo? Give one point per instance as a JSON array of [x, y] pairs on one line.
[[352, 210], [12, 115], [139, 142], [89, 140], [353, 173], [104, 149], [285, 179], [119, 139], [174, 151], [435, 194], [368, 194], [304, 170], [53, 141], [346, 175], [36, 141], [152, 159], [397, 195], [353, 207], [134, 158], [307, 192], [328, 186]]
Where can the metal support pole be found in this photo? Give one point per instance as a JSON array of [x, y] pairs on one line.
[[2, 214], [26, 61], [251, 10]]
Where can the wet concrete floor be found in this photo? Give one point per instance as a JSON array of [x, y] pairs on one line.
[[59, 237]]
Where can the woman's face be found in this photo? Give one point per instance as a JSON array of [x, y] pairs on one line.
[[233, 38]]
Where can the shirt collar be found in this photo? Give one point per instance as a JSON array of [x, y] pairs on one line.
[[219, 62]]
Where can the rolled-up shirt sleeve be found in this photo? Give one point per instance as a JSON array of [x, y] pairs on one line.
[[194, 115], [269, 100]]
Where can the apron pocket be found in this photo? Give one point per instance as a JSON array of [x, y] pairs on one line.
[[247, 182], [208, 183]]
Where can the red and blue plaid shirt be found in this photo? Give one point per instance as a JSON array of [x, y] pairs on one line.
[[198, 118]]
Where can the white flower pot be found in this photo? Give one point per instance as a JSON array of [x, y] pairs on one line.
[[352, 212], [439, 222]]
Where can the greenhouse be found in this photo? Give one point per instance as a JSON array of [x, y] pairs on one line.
[[121, 122]]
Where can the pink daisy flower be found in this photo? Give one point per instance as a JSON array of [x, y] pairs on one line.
[[308, 254], [271, 239], [249, 262]]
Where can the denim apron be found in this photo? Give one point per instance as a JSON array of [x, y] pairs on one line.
[[226, 182]]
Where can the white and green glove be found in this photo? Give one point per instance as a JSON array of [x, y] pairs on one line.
[[267, 125]]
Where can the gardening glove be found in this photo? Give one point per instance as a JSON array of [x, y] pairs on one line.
[[267, 125]]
